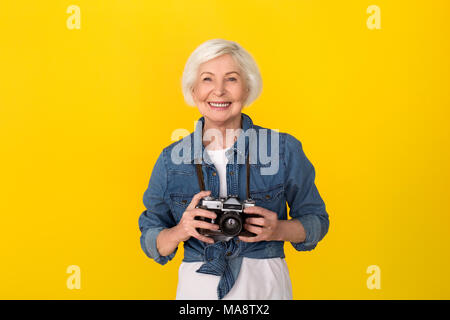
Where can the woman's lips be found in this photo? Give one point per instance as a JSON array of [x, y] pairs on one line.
[[219, 105]]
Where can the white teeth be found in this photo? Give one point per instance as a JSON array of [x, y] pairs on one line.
[[220, 105]]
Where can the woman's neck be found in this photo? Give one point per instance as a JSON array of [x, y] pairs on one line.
[[218, 136]]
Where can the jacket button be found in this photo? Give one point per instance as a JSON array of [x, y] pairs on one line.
[[214, 174], [231, 173], [229, 253], [267, 196]]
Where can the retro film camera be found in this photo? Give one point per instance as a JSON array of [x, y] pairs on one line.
[[230, 217]]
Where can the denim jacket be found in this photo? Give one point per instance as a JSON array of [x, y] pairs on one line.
[[280, 174]]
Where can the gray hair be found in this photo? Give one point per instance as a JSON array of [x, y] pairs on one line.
[[215, 48]]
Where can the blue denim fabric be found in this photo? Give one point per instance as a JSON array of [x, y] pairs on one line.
[[173, 183]]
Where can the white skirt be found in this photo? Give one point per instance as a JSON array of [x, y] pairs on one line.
[[259, 279]]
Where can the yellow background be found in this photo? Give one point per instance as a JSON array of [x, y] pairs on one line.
[[84, 114]]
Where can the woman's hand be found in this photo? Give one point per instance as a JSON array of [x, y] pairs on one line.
[[269, 228], [187, 226], [265, 227]]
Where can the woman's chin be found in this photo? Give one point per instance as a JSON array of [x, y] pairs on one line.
[[222, 115]]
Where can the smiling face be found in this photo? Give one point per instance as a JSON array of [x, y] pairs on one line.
[[220, 91]]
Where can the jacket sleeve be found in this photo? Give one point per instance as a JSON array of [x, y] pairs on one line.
[[157, 215], [302, 196]]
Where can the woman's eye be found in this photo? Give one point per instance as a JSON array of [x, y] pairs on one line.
[[209, 79]]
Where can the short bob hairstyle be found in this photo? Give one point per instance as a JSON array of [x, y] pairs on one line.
[[212, 49]]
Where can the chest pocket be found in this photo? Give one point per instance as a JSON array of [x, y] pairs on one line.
[[180, 203], [272, 199]]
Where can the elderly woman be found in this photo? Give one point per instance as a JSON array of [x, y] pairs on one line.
[[229, 156]]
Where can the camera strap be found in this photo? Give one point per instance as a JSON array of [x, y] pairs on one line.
[[201, 182]]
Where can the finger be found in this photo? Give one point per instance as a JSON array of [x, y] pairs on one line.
[[256, 221], [253, 229], [205, 225], [204, 213], [256, 210], [250, 239], [196, 199], [202, 237]]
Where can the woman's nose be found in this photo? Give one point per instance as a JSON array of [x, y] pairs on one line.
[[219, 89]]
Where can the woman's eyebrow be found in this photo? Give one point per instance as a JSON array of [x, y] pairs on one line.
[[225, 73]]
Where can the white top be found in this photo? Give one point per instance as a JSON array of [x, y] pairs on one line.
[[259, 279], [219, 158]]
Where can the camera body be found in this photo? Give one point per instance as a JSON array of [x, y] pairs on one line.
[[230, 217]]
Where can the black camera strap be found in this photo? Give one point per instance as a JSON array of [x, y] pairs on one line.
[[201, 182], [247, 169]]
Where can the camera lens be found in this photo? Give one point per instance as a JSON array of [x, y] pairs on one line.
[[231, 223]]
